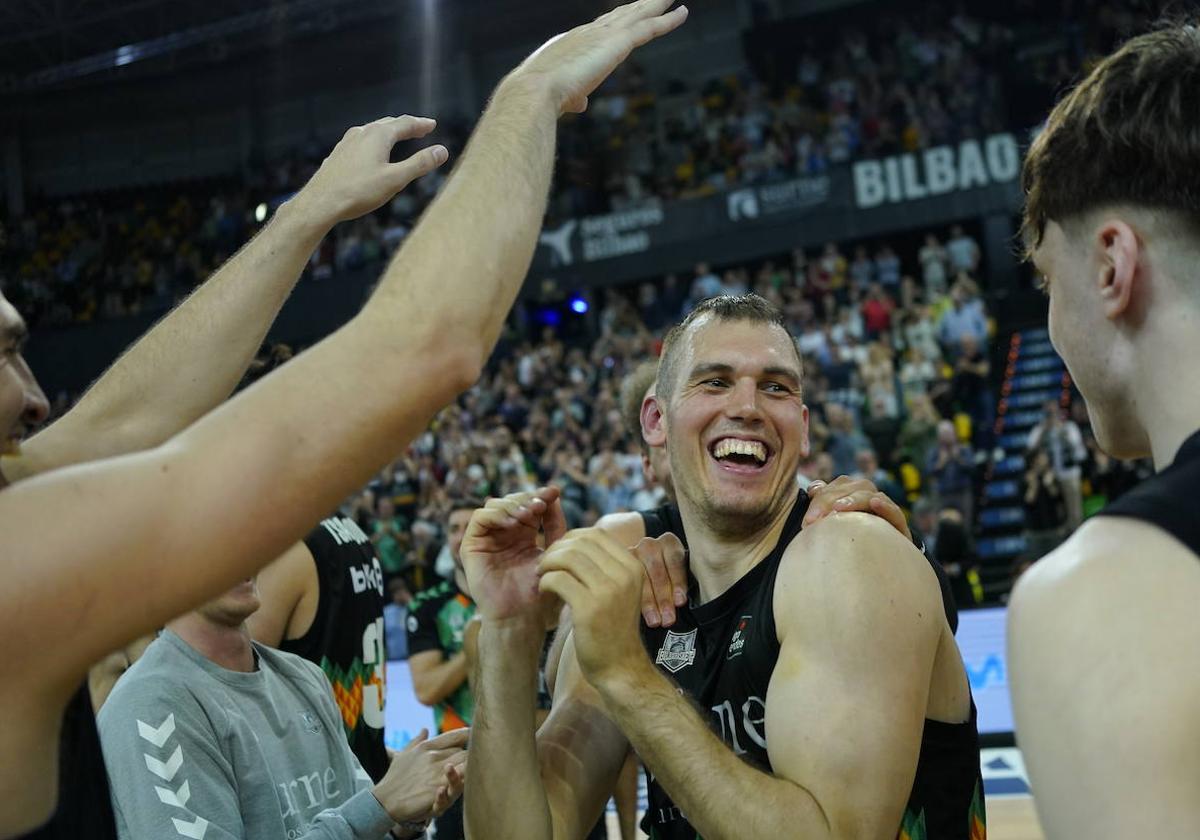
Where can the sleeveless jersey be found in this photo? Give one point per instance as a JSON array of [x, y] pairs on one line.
[[437, 618], [1165, 499], [722, 655], [662, 520], [84, 804], [346, 636]]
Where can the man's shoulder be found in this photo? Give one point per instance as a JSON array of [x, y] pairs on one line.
[[164, 678], [1108, 560], [847, 558], [285, 662]]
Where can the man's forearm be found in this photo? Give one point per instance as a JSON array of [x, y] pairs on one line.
[[459, 271], [723, 797], [504, 795], [191, 360]]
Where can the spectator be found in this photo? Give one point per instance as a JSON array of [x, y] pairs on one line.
[[845, 441], [919, 434], [964, 318], [868, 468], [1062, 442], [933, 260], [706, 284], [971, 388], [919, 332], [862, 270], [962, 251], [877, 312], [950, 470], [389, 535], [917, 375], [887, 269], [1045, 510], [956, 555], [831, 272]]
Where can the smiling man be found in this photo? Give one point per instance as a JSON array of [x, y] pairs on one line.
[[810, 686], [1104, 643]]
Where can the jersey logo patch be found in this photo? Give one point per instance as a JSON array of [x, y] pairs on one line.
[[311, 723], [678, 651], [738, 642]]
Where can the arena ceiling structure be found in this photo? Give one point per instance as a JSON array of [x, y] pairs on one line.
[[55, 44], [51, 44]]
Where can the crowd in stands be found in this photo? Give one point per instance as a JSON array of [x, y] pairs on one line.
[[804, 108], [818, 95]]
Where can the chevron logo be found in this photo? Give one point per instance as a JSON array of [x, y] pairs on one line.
[[178, 798], [157, 735], [195, 829], [165, 771]]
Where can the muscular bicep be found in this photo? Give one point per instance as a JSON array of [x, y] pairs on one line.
[[1104, 657], [859, 630], [282, 587], [580, 751], [93, 543]]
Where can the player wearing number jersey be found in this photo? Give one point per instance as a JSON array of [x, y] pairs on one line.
[[437, 623], [437, 618], [323, 600]]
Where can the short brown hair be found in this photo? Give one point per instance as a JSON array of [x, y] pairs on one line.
[[1129, 133], [633, 393], [750, 307]]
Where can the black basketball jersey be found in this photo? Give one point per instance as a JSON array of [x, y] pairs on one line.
[[722, 654], [1167, 498], [346, 636], [84, 805], [664, 519]]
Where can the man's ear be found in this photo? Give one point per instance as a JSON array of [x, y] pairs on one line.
[[1118, 251], [654, 429]]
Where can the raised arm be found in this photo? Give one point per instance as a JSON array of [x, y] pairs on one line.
[[859, 623], [1103, 643], [246, 481], [125, 544], [552, 785], [194, 357]]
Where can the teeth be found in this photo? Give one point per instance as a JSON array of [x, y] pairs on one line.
[[732, 446]]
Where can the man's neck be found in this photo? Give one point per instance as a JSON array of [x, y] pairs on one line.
[[228, 647], [1170, 414], [717, 560]]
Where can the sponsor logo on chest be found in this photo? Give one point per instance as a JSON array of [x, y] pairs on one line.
[[738, 643]]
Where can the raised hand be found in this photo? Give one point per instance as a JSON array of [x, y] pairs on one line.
[[358, 176], [501, 549], [574, 63], [602, 583], [664, 587], [424, 777], [845, 494]]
